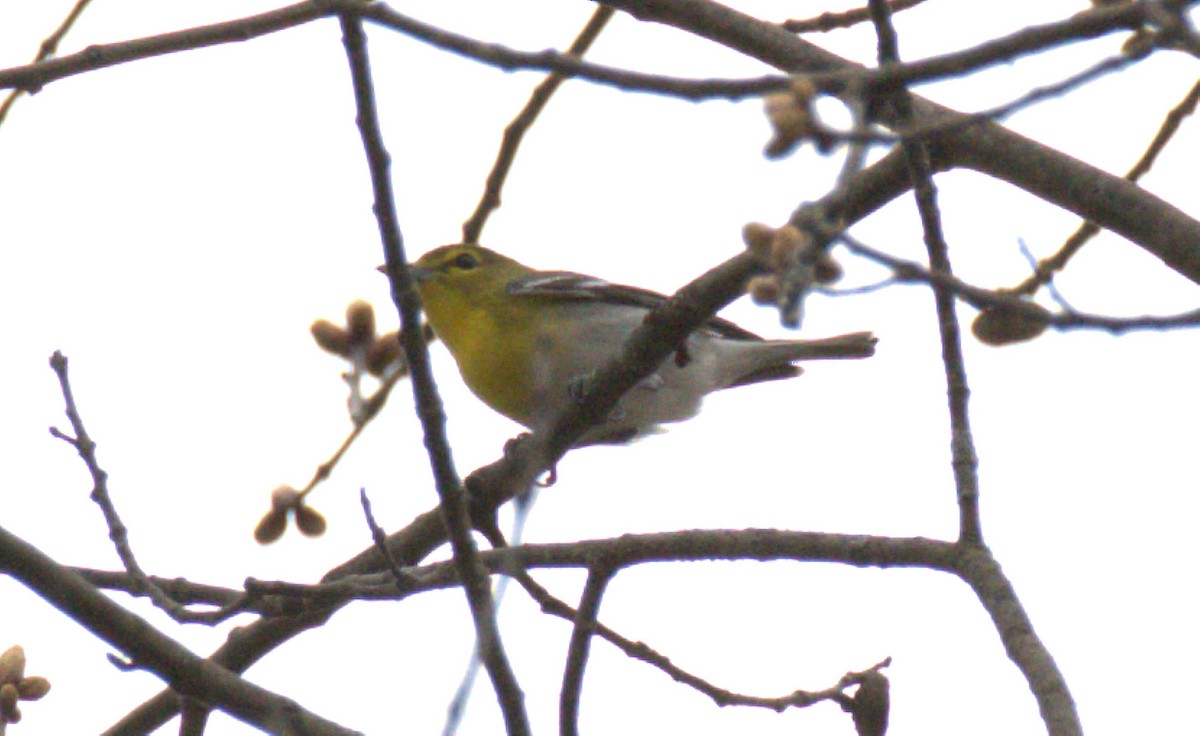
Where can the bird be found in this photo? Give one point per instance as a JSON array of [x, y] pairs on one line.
[[527, 341]]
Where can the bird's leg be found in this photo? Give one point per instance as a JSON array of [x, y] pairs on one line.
[[682, 356]]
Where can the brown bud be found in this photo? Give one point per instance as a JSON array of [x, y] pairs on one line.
[[786, 245], [778, 103], [271, 527], [791, 122], [310, 521], [33, 688], [360, 320], [330, 337], [1139, 42], [12, 665], [826, 270], [764, 290], [757, 238], [1001, 326], [384, 352], [802, 89], [871, 704], [9, 712], [284, 498]]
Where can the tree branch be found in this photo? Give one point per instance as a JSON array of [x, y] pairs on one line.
[[577, 652], [117, 531], [429, 405], [48, 48], [146, 648], [33, 77], [1159, 227], [514, 133]]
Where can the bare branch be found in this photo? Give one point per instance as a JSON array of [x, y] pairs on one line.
[[429, 405], [1090, 24], [380, 540], [627, 551], [645, 653], [980, 570], [1100, 69], [147, 648], [117, 531], [1047, 683], [371, 409], [1173, 237], [1087, 230], [33, 77], [231, 602], [833, 78], [1146, 220], [515, 132], [910, 272], [832, 21], [48, 48], [986, 148], [964, 460], [577, 651]]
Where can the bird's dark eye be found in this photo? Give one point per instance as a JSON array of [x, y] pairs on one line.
[[465, 261]]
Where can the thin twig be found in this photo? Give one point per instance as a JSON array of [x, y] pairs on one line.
[[1100, 69], [226, 602], [146, 648], [522, 507], [642, 652], [1168, 233], [427, 532], [832, 21], [429, 406], [631, 550], [1167, 239], [515, 132], [489, 202], [48, 48], [577, 650], [402, 580], [645, 653], [964, 460], [1047, 683], [905, 271], [986, 150], [33, 77], [372, 407], [1089, 24], [117, 531], [1047, 267]]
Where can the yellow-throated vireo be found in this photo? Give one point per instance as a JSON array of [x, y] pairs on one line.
[[526, 340]]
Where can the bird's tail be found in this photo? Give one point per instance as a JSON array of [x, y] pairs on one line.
[[772, 359], [854, 345]]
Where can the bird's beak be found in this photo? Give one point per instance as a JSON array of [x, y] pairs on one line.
[[418, 273]]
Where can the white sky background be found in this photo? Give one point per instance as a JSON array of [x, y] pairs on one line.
[[174, 226]]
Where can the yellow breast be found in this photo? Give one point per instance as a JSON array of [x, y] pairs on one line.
[[493, 356]]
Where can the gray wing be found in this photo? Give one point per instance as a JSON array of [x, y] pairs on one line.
[[568, 285]]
